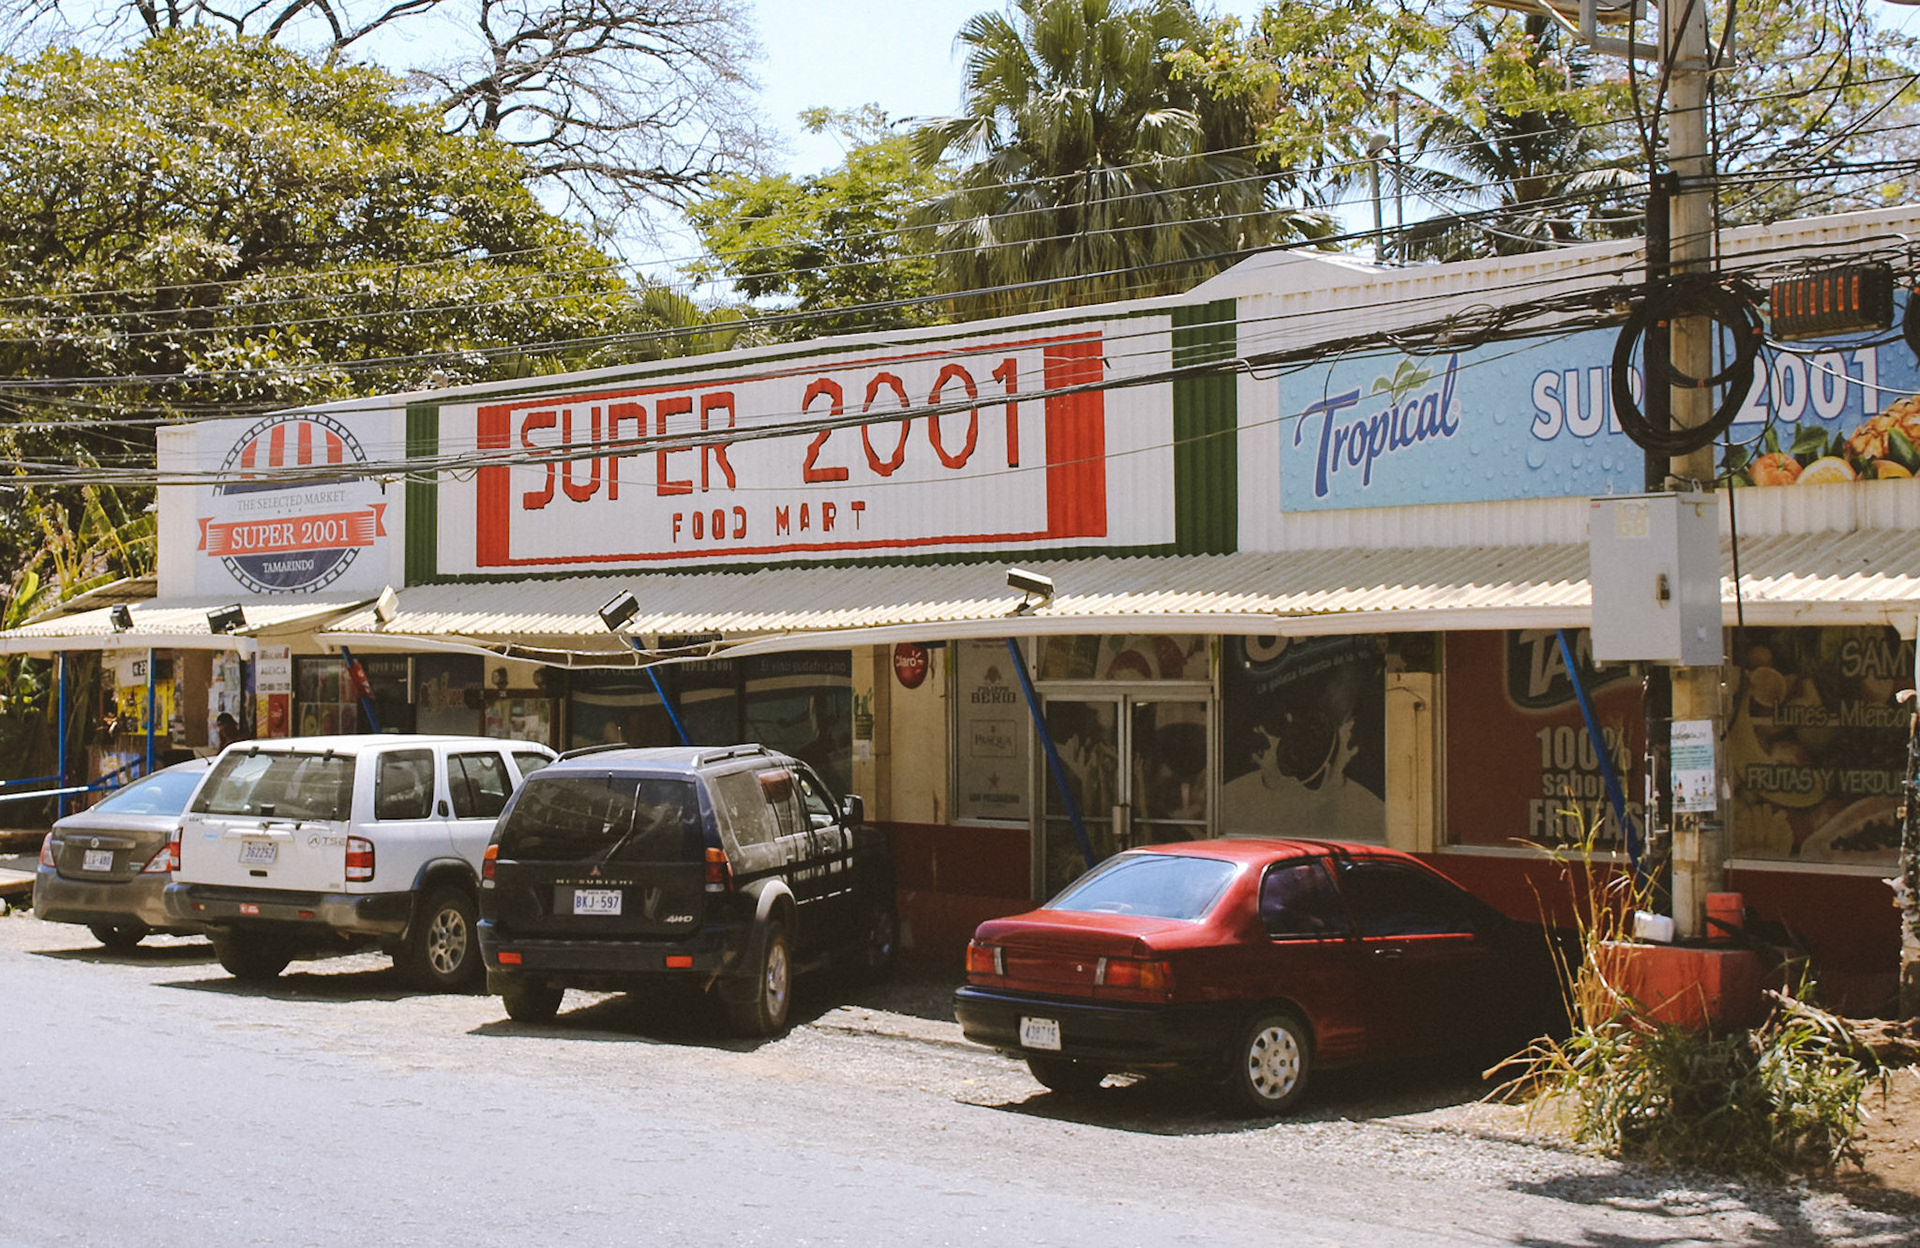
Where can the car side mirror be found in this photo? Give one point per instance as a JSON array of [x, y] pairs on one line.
[[852, 809]]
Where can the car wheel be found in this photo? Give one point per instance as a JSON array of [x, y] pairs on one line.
[[1064, 1075], [1268, 1075], [764, 1011], [119, 936], [443, 950], [532, 1003], [879, 940], [249, 957]]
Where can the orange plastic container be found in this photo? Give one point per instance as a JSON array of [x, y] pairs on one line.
[[1726, 914]]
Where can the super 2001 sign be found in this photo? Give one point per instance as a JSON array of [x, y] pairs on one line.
[[276, 535], [952, 453]]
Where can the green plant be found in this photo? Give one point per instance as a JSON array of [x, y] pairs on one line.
[[1782, 1096]]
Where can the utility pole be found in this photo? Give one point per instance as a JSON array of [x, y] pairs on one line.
[[1699, 839]]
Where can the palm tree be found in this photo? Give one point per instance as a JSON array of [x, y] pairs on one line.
[[1518, 140], [1087, 164]]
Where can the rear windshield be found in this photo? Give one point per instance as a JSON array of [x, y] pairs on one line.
[[280, 785], [163, 794], [605, 818], [1160, 886]]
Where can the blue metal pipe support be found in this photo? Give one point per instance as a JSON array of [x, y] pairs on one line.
[[678, 729], [152, 711], [60, 750], [1053, 755], [1616, 796], [366, 702]]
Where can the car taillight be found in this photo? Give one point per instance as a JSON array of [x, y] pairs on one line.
[[986, 959], [46, 850], [1133, 973], [168, 859], [487, 860], [719, 871], [359, 858]]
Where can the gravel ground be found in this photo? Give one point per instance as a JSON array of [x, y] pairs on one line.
[[879, 1080]]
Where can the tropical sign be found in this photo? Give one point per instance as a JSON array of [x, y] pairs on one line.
[[1534, 418]]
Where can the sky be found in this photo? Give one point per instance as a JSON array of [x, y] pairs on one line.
[[899, 54], [845, 53]]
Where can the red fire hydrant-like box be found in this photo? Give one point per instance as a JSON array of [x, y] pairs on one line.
[[1687, 986]]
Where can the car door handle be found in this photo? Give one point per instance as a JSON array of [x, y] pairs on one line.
[[1388, 951]]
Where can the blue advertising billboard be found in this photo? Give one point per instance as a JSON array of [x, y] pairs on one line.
[[1534, 418]]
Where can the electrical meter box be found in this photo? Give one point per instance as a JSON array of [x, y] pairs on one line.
[[1654, 564]]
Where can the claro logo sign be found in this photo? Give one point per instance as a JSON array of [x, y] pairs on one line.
[[279, 530], [944, 449]]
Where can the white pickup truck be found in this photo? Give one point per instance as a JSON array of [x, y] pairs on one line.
[[311, 843]]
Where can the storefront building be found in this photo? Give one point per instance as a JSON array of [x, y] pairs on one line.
[[1303, 580]]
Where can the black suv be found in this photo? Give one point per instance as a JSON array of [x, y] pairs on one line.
[[619, 870]]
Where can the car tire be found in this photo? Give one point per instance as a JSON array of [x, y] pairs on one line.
[[250, 957], [119, 937], [879, 940], [763, 1011], [532, 1002], [442, 952], [1065, 1076], [1270, 1064]]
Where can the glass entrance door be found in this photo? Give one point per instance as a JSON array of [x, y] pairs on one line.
[[1138, 766]]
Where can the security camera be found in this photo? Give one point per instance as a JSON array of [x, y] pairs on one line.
[[1030, 582]]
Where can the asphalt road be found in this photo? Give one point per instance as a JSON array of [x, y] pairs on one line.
[[153, 1101]]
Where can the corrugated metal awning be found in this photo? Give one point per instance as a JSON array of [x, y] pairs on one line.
[[177, 624], [1833, 578]]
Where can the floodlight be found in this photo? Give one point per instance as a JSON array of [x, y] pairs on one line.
[[619, 611], [226, 619]]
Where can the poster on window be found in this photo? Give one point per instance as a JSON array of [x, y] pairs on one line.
[[1816, 744], [1303, 749], [991, 747], [1522, 768]]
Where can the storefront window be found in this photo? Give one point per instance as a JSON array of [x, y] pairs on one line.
[[992, 734], [1114, 657], [326, 702], [1521, 765], [1303, 749], [1816, 744], [799, 703], [449, 693]]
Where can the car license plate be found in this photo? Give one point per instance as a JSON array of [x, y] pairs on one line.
[[596, 901], [259, 853], [97, 860], [1040, 1033]]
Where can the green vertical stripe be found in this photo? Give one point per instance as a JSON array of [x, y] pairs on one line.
[[1206, 453], [423, 495]]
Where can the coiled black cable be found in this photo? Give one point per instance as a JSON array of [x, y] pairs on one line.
[[1688, 294]]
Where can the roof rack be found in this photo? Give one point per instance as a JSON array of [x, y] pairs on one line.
[[596, 749], [731, 751]]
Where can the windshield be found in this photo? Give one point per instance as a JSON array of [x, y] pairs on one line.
[[574, 817], [1160, 886], [164, 793], [279, 785]]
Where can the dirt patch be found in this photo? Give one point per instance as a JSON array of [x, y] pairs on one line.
[[1890, 1137]]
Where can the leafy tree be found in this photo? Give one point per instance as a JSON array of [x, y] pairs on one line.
[[831, 240], [1088, 161], [1816, 110], [217, 224], [614, 102], [1522, 133]]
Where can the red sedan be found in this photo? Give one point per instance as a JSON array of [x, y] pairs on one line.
[[1256, 960]]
